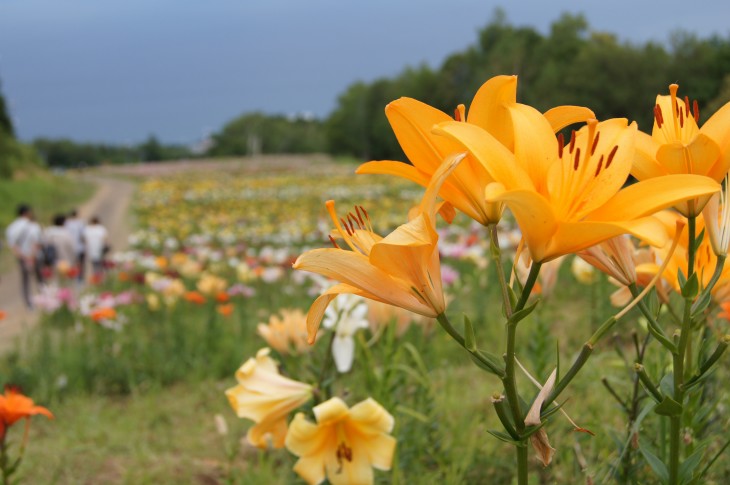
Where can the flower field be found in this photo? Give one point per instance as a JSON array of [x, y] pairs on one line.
[[274, 327]]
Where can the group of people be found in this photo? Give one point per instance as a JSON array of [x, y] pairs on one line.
[[60, 249]]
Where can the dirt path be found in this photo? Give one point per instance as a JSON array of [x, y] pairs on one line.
[[111, 204]]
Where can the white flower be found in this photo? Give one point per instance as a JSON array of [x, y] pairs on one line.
[[346, 314]]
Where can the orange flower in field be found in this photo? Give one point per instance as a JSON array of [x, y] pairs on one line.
[[194, 297], [225, 310], [123, 276], [222, 297], [105, 313], [725, 310], [14, 406], [3, 315]]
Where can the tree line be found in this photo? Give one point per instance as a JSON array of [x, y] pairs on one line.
[[571, 64]]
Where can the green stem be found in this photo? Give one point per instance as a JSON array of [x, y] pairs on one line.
[[675, 422], [529, 284], [521, 465], [446, 325], [578, 364], [497, 259]]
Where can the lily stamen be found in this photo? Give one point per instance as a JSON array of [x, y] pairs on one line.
[[696, 111], [611, 155], [658, 116], [561, 145], [577, 159], [595, 143], [572, 141]]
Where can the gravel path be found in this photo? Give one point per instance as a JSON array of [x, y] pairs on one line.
[[111, 204]]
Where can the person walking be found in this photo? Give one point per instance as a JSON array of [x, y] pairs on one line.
[[95, 237], [23, 236], [58, 248], [75, 226]]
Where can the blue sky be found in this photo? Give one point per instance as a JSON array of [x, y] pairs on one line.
[[111, 70]]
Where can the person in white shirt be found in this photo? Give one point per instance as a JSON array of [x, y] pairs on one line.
[[23, 236], [56, 236], [95, 236], [75, 226]]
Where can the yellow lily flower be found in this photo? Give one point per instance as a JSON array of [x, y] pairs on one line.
[[412, 122], [401, 269], [344, 445], [569, 197], [266, 397], [678, 146]]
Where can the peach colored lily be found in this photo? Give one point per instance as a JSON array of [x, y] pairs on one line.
[[266, 397], [401, 269], [412, 122], [345, 444]]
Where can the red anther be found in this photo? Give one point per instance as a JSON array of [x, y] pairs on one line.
[[577, 159], [610, 156], [359, 216], [595, 143], [572, 141], [349, 231], [681, 119], [696, 111], [365, 212], [334, 243], [686, 106], [658, 115], [353, 221], [600, 165], [561, 145], [457, 114]]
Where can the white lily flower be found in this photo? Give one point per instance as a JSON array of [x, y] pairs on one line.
[[346, 314]]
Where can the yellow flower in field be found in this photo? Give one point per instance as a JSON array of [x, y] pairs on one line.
[[211, 285], [345, 444], [401, 269], [412, 121], [678, 146], [288, 333], [569, 197], [266, 397]]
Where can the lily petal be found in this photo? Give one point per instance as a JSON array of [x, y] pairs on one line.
[[495, 157], [562, 116], [490, 108], [651, 195]]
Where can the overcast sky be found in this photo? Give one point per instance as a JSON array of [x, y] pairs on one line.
[[120, 70]]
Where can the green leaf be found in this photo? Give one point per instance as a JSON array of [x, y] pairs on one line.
[[522, 314], [701, 304], [681, 277], [668, 407], [488, 362], [667, 384], [412, 413], [687, 468], [691, 287], [660, 469], [699, 239], [470, 340], [505, 437]]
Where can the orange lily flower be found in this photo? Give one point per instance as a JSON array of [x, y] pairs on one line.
[[678, 146], [105, 313], [401, 269], [14, 406], [412, 122], [568, 198], [225, 310], [194, 297]]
